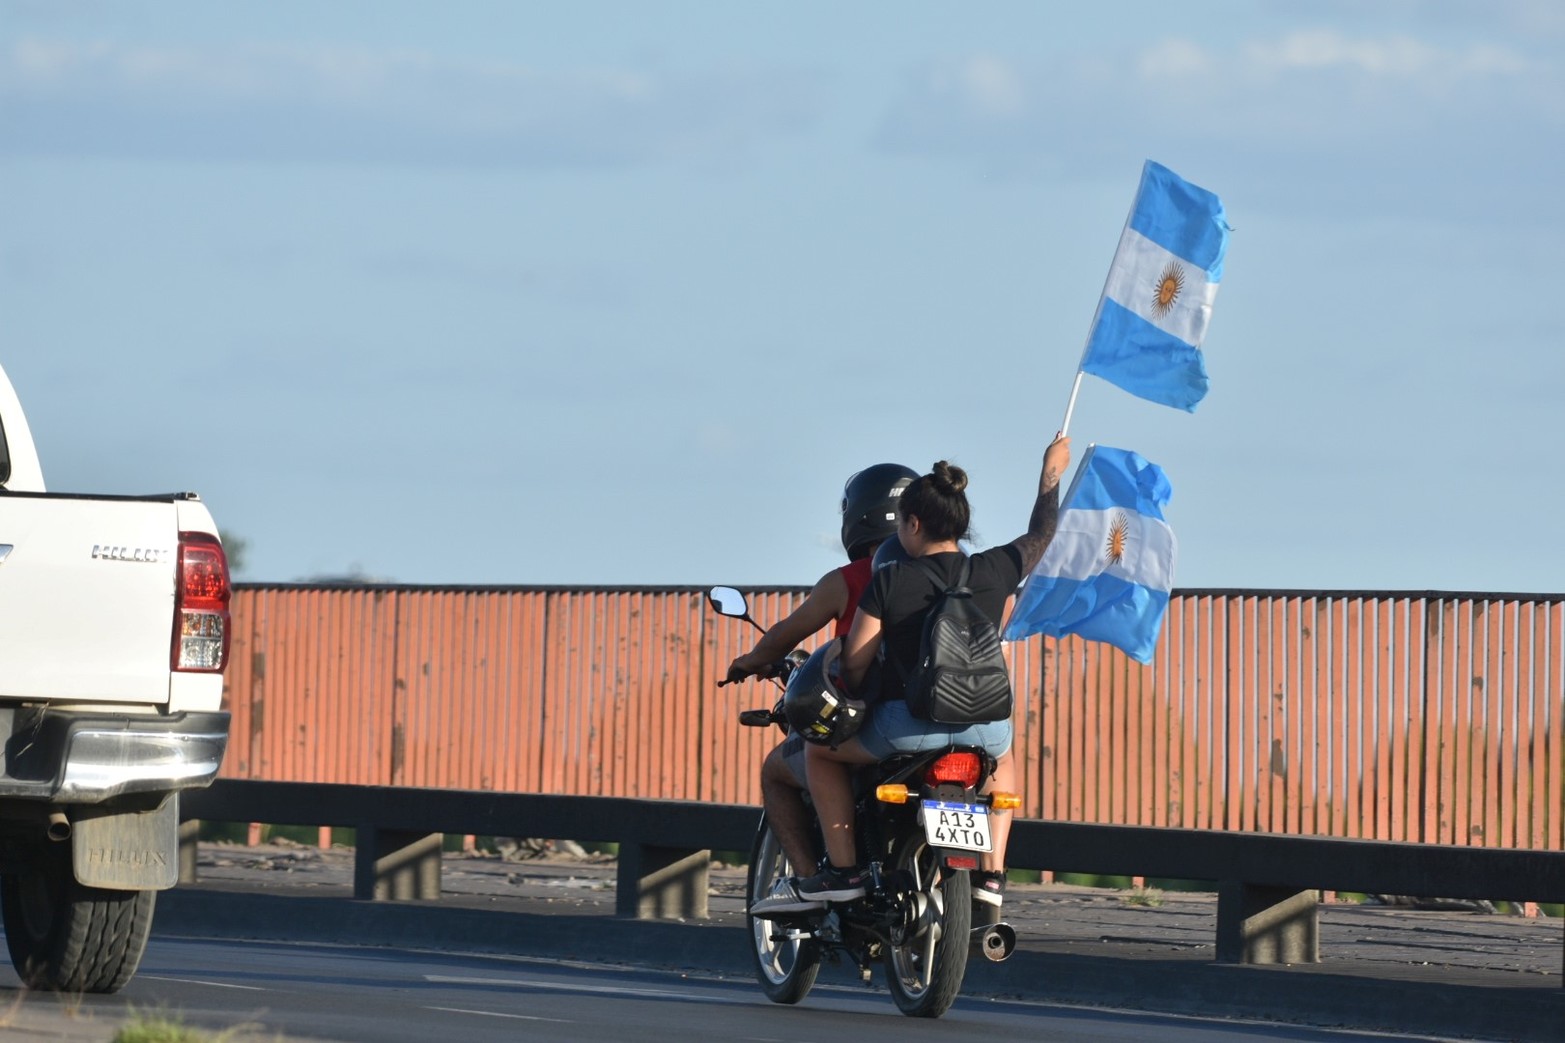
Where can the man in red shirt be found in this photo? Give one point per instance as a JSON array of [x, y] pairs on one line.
[[869, 517]]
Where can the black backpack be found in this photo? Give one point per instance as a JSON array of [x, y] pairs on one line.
[[960, 677]]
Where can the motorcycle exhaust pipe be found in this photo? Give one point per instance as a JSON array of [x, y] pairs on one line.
[[996, 942], [59, 827]]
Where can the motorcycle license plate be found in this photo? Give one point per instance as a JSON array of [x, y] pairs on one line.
[[950, 823]]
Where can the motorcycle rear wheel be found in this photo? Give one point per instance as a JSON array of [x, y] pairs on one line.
[[925, 971], [786, 966]]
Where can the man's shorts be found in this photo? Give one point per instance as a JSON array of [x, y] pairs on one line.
[[793, 756]]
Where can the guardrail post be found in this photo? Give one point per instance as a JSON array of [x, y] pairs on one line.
[[396, 864], [189, 837], [662, 883], [1258, 924]]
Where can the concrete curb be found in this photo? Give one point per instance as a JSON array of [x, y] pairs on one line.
[[1488, 1007]]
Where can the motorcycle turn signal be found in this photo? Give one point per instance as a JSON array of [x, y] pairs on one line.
[[897, 793], [892, 793]]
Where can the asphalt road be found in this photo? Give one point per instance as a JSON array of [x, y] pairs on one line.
[[261, 941], [347, 994], [1402, 971]]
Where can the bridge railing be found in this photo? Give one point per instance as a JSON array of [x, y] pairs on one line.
[[1422, 717], [1280, 742]]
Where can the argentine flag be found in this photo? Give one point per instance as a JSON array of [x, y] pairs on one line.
[[1157, 301], [1106, 574]]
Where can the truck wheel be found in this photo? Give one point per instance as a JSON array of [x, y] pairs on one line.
[[70, 938]]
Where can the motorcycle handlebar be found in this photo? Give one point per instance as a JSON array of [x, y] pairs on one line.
[[779, 671]]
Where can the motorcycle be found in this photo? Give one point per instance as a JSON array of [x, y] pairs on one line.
[[922, 822]]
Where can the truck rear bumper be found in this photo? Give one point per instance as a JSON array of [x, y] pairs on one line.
[[88, 758]]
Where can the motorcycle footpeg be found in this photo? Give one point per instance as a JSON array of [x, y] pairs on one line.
[[994, 942]]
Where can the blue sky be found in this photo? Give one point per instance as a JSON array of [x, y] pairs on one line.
[[619, 293]]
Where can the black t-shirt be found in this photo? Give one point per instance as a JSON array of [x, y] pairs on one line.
[[901, 595]]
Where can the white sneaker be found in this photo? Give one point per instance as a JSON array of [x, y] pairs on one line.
[[988, 898], [784, 897]]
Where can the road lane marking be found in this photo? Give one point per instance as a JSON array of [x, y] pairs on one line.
[[612, 990], [499, 1014], [198, 981]]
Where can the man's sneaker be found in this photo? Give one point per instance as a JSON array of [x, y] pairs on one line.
[[988, 897], [785, 898], [833, 885]]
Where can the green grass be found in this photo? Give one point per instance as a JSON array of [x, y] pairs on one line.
[[165, 1028], [159, 1029], [162, 1027]]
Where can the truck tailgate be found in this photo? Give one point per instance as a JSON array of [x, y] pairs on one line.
[[86, 597]]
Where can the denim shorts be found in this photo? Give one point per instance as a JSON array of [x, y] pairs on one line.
[[891, 729]]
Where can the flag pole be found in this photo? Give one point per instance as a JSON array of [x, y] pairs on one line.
[[1070, 407]]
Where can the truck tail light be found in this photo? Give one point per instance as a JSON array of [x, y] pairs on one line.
[[201, 595]]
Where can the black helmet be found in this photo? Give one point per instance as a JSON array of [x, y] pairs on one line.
[[869, 506], [815, 707], [889, 553]]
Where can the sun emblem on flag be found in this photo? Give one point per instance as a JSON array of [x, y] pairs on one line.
[[1169, 286], [1119, 537]]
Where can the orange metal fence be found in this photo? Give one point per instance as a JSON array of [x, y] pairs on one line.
[[1433, 718]]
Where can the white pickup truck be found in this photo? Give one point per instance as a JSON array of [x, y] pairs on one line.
[[114, 631]]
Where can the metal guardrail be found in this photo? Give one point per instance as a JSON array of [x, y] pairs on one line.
[[1268, 884], [663, 845]]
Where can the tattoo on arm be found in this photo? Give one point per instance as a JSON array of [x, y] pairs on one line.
[[1041, 526], [1049, 480]]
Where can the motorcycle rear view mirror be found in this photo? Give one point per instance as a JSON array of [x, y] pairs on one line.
[[730, 602]]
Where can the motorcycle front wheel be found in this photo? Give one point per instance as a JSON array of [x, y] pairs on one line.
[[926, 964], [786, 961]]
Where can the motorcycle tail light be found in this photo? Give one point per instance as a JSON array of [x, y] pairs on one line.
[[960, 768]]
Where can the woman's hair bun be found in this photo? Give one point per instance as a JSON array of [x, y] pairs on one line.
[[949, 478]]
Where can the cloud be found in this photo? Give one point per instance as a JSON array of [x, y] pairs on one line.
[[1290, 110], [346, 104], [1398, 58], [1529, 17]]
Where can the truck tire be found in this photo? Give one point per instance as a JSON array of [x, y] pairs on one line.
[[66, 937]]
